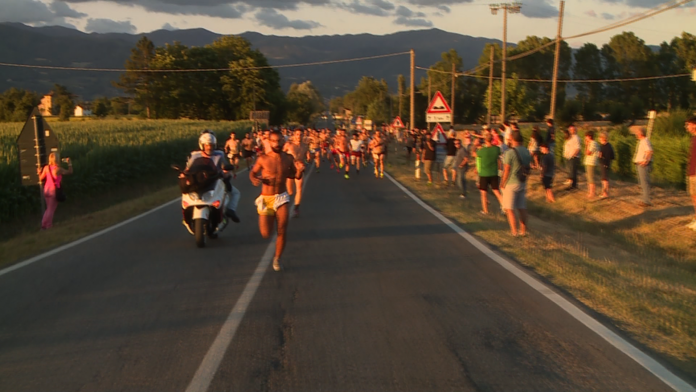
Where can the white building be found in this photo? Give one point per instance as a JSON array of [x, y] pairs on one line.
[[82, 112]]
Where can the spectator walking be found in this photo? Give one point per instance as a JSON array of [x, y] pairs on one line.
[[410, 145], [461, 164], [691, 170], [488, 166], [550, 136], [591, 157], [516, 163], [533, 146], [429, 155], [606, 155], [643, 162], [548, 167], [571, 152], [451, 151], [52, 174]]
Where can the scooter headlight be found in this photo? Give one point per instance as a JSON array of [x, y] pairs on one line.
[[208, 196]]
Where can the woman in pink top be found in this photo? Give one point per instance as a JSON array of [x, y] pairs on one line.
[[52, 174]]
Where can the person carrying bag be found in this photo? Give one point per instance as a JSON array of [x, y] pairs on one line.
[[53, 193]]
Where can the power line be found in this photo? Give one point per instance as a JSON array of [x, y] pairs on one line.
[[588, 80], [59, 68], [635, 18]]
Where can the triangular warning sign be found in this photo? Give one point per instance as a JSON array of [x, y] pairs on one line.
[[397, 123], [438, 135], [438, 105]]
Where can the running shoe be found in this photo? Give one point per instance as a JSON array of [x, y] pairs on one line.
[[276, 265], [381, 175], [347, 177], [332, 166], [340, 166]]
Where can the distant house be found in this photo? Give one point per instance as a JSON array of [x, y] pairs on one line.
[[46, 107], [81, 111]]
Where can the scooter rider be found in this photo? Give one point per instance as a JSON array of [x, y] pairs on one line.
[[208, 143]]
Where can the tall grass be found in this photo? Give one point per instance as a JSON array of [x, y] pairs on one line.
[[105, 154]]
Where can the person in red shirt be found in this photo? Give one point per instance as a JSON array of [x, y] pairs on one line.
[[691, 170]]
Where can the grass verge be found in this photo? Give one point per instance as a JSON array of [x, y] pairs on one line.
[[637, 267], [75, 222]]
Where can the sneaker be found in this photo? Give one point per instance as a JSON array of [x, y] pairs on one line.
[[381, 175], [276, 265], [357, 171], [340, 166], [462, 196], [430, 183], [317, 170], [347, 177], [332, 166], [296, 213]]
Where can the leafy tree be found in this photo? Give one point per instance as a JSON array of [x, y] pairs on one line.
[[16, 104], [516, 95], [588, 65], [64, 101], [102, 107], [304, 101], [135, 81]]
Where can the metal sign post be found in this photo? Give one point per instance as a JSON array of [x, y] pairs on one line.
[[37, 148]]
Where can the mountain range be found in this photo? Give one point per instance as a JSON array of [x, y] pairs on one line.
[[60, 46]]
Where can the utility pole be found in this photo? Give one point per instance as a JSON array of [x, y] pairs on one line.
[[401, 92], [429, 88], [555, 60], [513, 8], [490, 85], [454, 80], [413, 85]]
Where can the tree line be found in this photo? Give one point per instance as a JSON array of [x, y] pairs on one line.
[[624, 56], [242, 83]]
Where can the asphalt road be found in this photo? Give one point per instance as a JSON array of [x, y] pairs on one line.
[[378, 295]]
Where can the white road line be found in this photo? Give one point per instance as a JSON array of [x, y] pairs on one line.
[[605, 333], [85, 239], [211, 362]]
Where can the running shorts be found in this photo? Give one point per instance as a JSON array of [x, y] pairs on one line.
[[268, 205]]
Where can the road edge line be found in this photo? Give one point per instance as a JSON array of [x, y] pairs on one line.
[[213, 357], [650, 364], [69, 245]]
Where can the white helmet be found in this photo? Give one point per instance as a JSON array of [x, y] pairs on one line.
[[207, 138]]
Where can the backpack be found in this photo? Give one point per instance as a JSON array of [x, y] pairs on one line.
[[200, 176], [524, 171]]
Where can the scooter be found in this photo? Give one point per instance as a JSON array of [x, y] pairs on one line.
[[202, 204]]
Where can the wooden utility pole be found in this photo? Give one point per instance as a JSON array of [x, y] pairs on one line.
[[413, 86], [429, 88], [454, 80], [502, 82], [513, 8], [490, 85], [552, 113], [401, 92]]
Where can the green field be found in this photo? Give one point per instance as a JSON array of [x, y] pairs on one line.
[[106, 154]]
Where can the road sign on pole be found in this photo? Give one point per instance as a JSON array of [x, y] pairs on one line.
[[438, 110], [397, 123]]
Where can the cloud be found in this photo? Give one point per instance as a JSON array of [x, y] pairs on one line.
[[357, 7], [385, 5], [63, 10], [169, 27], [271, 18], [25, 11], [413, 22], [539, 9], [607, 16], [407, 13], [444, 9], [109, 26], [591, 13], [437, 3]]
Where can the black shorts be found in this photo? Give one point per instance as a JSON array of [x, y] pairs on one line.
[[493, 181], [547, 181], [247, 154], [605, 172]]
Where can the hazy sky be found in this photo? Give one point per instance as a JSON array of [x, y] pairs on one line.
[[329, 17]]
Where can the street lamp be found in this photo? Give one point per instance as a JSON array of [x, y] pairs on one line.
[[513, 8]]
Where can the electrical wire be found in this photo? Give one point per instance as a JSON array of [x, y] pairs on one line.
[[50, 67]]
